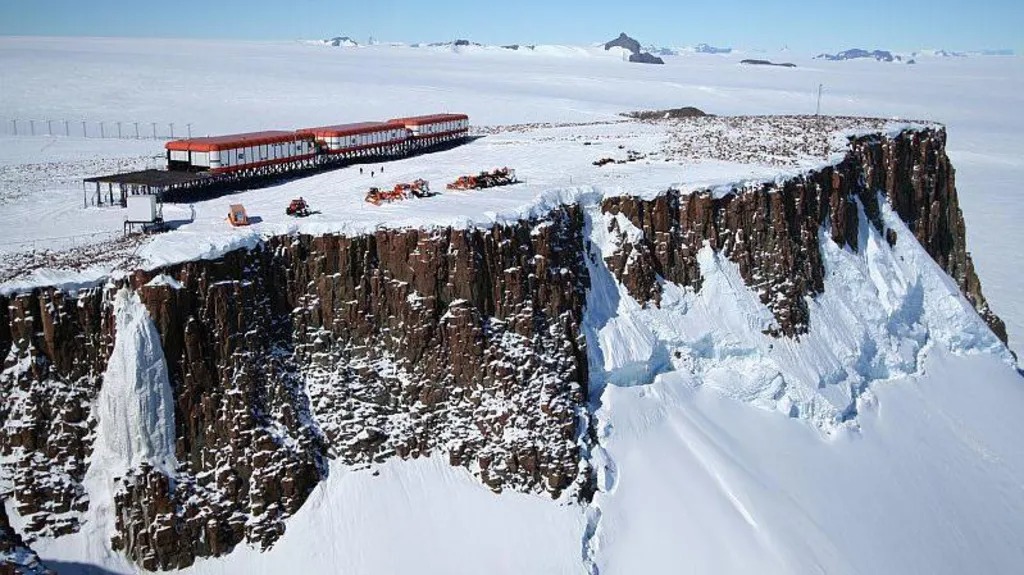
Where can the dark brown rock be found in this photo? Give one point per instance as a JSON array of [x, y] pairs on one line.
[[57, 345], [771, 231]]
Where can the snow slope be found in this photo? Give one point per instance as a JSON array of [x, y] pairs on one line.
[[910, 463], [419, 516], [931, 483]]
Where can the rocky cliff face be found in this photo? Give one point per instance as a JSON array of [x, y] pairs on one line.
[[403, 343], [55, 347], [772, 231], [400, 344]]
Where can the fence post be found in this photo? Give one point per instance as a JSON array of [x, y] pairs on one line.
[[67, 129], [136, 130], [189, 126], [32, 127], [49, 127], [85, 132], [119, 130], [15, 122], [154, 129], [171, 124], [102, 131]]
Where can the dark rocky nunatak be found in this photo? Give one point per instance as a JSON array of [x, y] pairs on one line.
[[753, 62], [633, 46]]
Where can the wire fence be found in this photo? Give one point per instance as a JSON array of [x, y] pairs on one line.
[[108, 129]]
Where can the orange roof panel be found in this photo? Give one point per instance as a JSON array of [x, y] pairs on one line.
[[429, 119], [346, 129], [227, 142]]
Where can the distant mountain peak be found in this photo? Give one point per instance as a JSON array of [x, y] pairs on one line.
[[858, 53], [339, 41], [703, 48], [624, 41], [633, 47]]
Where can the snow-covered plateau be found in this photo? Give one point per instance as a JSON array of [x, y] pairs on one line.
[[751, 344]]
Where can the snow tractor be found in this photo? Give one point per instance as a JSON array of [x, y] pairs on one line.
[[418, 188], [237, 216], [298, 208], [499, 177]]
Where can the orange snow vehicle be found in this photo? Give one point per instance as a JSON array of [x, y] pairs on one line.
[[418, 188], [237, 216], [298, 208], [499, 177]]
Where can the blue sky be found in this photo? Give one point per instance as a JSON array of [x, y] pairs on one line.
[[800, 24]]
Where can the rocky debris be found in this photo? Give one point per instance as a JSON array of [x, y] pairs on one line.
[[754, 62], [781, 141], [771, 230], [55, 347], [525, 128], [633, 47], [857, 54], [108, 248], [17, 558], [669, 114], [631, 156]]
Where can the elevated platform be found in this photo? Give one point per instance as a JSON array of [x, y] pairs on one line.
[[156, 182]]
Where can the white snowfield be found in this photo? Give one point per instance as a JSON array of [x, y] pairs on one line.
[[886, 440]]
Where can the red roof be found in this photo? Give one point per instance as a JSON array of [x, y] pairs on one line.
[[346, 129], [214, 143], [429, 119]]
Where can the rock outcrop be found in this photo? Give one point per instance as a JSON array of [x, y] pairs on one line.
[[645, 58], [756, 62], [636, 54], [772, 231], [625, 42]]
